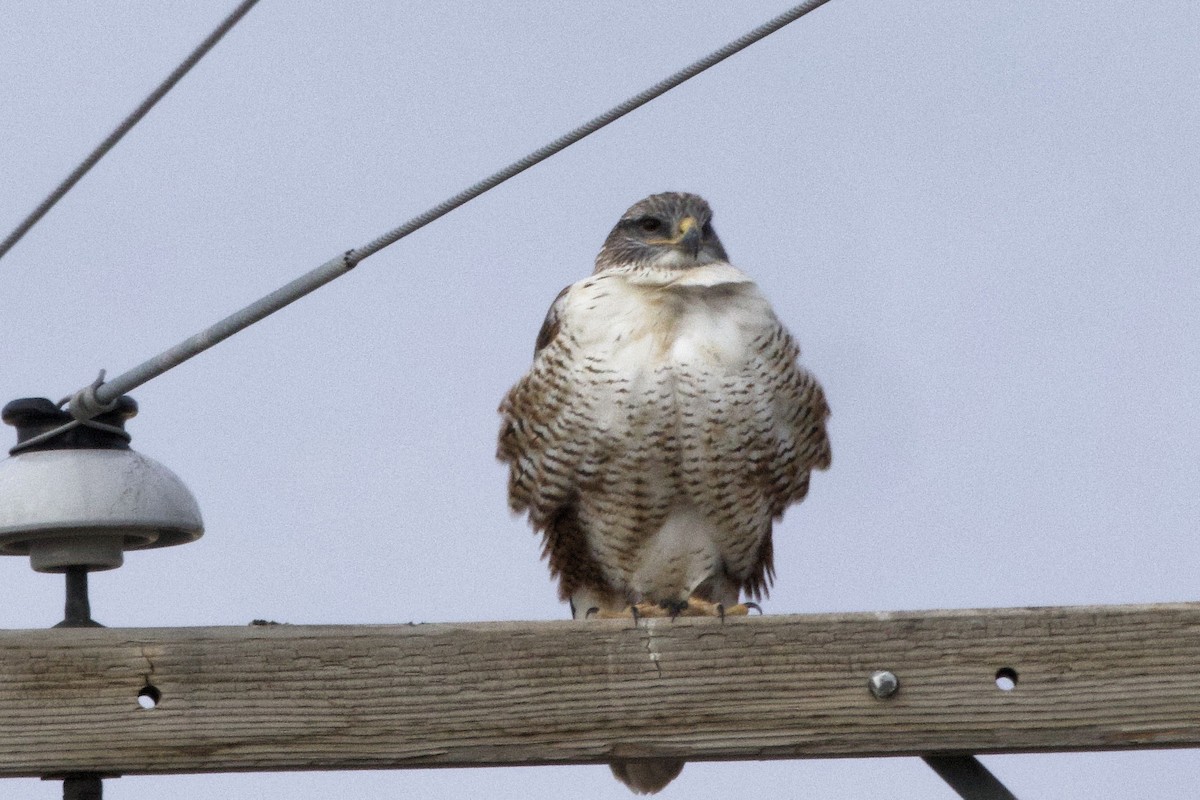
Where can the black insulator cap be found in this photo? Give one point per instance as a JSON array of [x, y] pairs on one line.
[[33, 416]]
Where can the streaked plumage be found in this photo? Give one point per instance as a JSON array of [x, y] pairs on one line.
[[665, 423]]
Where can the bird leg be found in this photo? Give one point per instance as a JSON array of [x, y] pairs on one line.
[[637, 612], [703, 608]]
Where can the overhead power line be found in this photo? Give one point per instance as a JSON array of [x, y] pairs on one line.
[[126, 125], [92, 400], [588, 128]]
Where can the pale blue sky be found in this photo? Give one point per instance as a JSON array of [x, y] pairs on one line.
[[979, 219]]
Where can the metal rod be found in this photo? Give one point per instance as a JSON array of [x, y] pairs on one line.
[[78, 612], [83, 787], [125, 126], [91, 400], [970, 778], [109, 391]]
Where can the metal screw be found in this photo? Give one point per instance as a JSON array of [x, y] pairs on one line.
[[883, 683]]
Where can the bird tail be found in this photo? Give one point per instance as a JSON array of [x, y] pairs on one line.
[[647, 777]]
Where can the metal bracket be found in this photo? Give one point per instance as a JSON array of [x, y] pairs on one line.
[[967, 776]]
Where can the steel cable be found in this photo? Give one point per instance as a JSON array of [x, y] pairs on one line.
[[586, 129], [97, 397], [126, 125]]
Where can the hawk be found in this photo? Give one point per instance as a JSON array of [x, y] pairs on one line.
[[663, 427]]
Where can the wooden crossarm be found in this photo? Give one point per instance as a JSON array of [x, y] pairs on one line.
[[442, 695]]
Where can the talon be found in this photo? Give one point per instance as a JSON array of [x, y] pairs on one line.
[[697, 607], [739, 610], [633, 611], [674, 607]]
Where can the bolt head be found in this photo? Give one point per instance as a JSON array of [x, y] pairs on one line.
[[883, 683]]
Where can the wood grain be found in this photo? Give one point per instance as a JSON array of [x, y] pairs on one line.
[[345, 697]]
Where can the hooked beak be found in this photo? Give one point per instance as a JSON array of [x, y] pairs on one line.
[[689, 238]]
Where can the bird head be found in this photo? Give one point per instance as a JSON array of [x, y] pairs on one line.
[[672, 230]]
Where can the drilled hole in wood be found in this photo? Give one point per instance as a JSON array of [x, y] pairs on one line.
[[1006, 679], [149, 696]]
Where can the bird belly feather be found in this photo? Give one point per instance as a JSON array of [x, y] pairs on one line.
[[670, 373]]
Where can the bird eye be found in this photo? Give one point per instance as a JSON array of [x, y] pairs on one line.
[[650, 224]]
